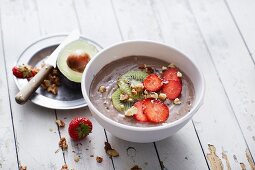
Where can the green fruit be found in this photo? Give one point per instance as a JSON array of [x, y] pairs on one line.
[[133, 75], [124, 82], [119, 105], [72, 69], [124, 87]]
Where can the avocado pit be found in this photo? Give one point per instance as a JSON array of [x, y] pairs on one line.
[[77, 62]]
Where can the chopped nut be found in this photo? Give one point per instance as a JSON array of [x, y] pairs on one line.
[[123, 97], [110, 151], [162, 96], [131, 111], [60, 123], [99, 159], [62, 143], [146, 92], [134, 92], [102, 89], [164, 68], [177, 101], [136, 167], [22, 167], [76, 158], [64, 167], [179, 74], [53, 88], [142, 66], [149, 70], [130, 99], [171, 65], [152, 95], [138, 87], [122, 106]]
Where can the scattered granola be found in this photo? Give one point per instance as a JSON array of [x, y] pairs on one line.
[[123, 97], [138, 87], [52, 82], [76, 158], [171, 65], [60, 123], [22, 167], [64, 167], [63, 144], [102, 89], [164, 68], [110, 151], [153, 95], [99, 159], [162, 96], [179, 74], [131, 111], [136, 167], [177, 101]]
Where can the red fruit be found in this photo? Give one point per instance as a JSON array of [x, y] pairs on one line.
[[22, 71], [171, 74], [155, 111], [79, 128], [152, 83], [16, 72], [139, 115], [172, 89]]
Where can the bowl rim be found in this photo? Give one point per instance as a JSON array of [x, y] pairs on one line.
[[188, 116]]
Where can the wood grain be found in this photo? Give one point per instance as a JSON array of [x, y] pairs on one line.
[[8, 158], [180, 29], [36, 133], [64, 12], [104, 30], [232, 61], [143, 24], [243, 16]]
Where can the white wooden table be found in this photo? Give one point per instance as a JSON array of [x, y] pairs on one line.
[[218, 34]]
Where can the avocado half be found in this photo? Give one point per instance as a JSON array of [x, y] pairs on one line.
[[70, 76]]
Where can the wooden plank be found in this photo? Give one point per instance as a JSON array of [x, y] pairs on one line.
[[94, 145], [8, 157], [36, 133], [243, 15], [215, 122], [104, 29], [232, 60], [137, 20]]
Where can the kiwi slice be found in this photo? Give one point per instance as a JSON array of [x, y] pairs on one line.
[[129, 78], [119, 105], [124, 82], [133, 75], [124, 87]]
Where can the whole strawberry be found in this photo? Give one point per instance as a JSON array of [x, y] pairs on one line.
[[23, 71], [79, 128]]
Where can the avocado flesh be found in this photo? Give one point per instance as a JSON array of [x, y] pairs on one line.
[[78, 46]]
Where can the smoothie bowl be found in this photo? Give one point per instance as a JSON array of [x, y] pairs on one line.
[[142, 91]]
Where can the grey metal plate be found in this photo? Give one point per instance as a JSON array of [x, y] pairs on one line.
[[33, 55]]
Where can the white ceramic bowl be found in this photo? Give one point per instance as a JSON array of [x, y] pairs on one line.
[[143, 48]]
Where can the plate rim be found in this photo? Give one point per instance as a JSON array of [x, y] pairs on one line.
[[98, 46]]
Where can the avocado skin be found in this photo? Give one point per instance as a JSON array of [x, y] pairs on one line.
[[70, 84]]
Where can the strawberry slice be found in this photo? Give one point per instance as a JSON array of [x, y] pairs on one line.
[[172, 89], [152, 83], [171, 74], [155, 111], [139, 115]]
